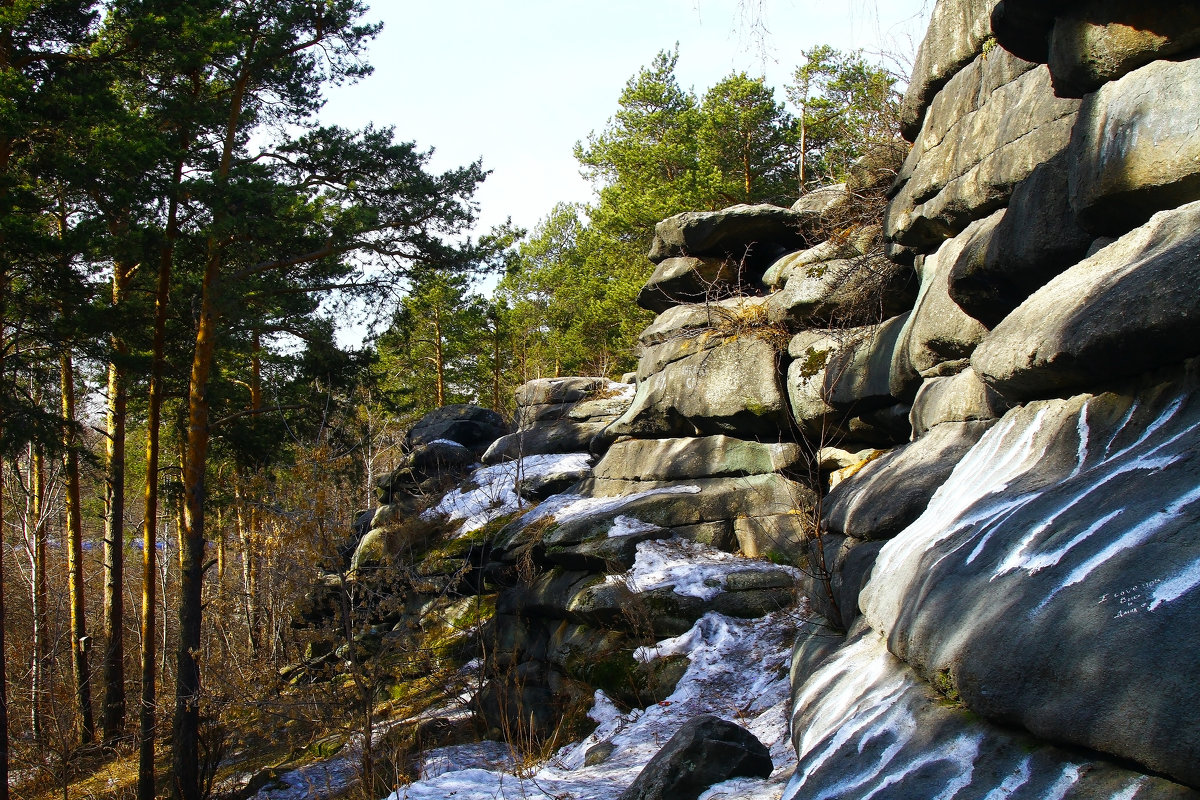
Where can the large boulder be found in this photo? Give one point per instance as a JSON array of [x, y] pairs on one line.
[[841, 293], [954, 398], [822, 201], [611, 509], [705, 750], [840, 384], [603, 409], [855, 243], [732, 388], [1023, 26], [695, 457], [728, 315], [890, 492], [685, 279], [425, 462], [747, 234], [858, 377], [811, 351], [546, 391], [566, 436], [1134, 151], [970, 170], [863, 721], [1103, 40], [955, 36], [471, 426], [1127, 309], [1057, 568], [1036, 238]]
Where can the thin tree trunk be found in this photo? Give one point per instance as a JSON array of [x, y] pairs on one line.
[[6, 43], [245, 525], [496, 367], [803, 153], [439, 355], [75, 587], [147, 717], [3, 620], [113, 671], [37, 707]]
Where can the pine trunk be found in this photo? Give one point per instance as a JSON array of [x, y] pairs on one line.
[[185, 756], [113, 671], [75, 586], [38, 595], [147, 716]]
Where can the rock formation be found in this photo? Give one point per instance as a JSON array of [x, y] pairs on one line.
[[1001, 379]]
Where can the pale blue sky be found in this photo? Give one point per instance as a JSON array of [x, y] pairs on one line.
[[518, 82]]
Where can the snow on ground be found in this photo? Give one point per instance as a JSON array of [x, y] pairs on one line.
[[738, 670], [495, 494], [694, 569]]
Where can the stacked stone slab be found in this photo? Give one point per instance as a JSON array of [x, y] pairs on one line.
[[559, 415], [1032, 554], [563, 626]]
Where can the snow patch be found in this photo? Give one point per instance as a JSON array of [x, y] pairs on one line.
[[494, 493], [722, 652], [693, 569], [627, 526]]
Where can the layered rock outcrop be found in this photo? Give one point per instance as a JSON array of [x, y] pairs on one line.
[[1000, 585], [1041, 533]]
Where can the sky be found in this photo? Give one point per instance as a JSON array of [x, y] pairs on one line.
[[517, 83]]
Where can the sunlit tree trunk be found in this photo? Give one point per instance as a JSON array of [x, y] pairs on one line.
[[185, 756], [38, 596], [147, 715], [113, 672], [75, 586]]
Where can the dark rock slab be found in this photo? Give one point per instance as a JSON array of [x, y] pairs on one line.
[[1102, 40], [842, 293], [688, 320], [1023, 26], [471, 426], [938, 331], [970, 171], [1036, 238], [695, 457], [954, 398], [554, 437], [747, 234], [545, 391], [955, 37], [436, 458], [732, 388], [858, 376], [685, 279], [704, 751]]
